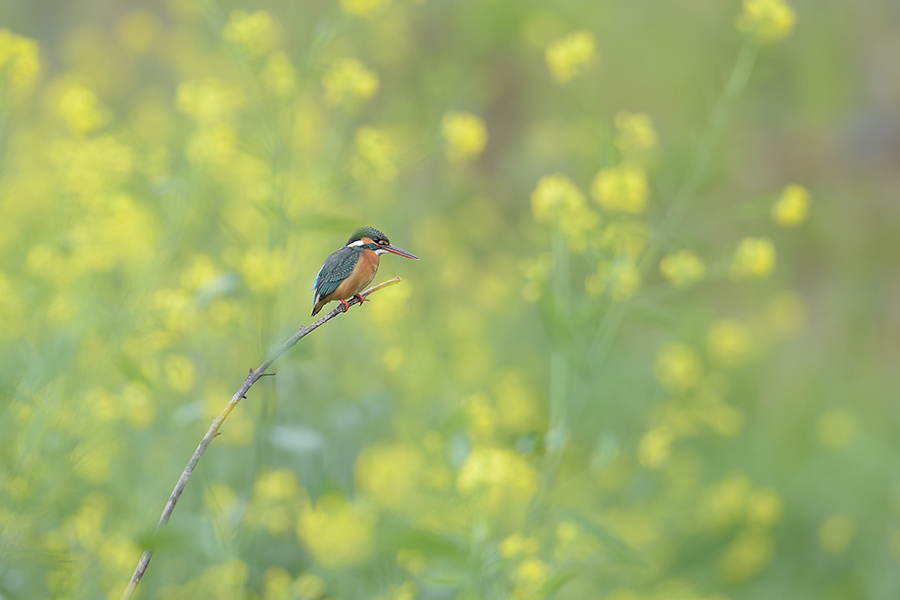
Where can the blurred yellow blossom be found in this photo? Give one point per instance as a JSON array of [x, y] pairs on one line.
[[677, 367], [348, 83], [621, 189], [554, 195], [465, 135], [682, 268], [389, 474], [19, 60], [792, 208], [337, 533], [625, 237], [635, 134], [137, 404], [571, 55], [768, 20], [764, 507], [724, 419], [376, 155], [405, 591], [279, 75], [725, 501], [836, 428], [81, 109], [747, 555], [836, 533], [728, 342], [754, 257], [497, 477], [226, 580], [535, 271], [481, 415], [620, 278], [138, 31], [275, 501], [655, 448], [309, 586], [517, 545], [200, 272], [277, 584], [363, 8], [209, 100], [256, 32]]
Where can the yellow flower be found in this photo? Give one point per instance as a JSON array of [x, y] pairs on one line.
[[348, 83], [677, 367], [256, 32], [19, 61], [656, 447], [376, 155], [836, 533], [747, 555], [769, 20], [338, 534], [227, 580], [530, 577], [497, 477], [363, 8], [209, 100], [275, 500], [625, 238], [390, 474], [725, 501], [792, 208], [755, 257], [621, 279], [571, 56], [728, 342], [554, 195], [465, 134], [682, 269], [264, 271], [635, 134], [621, 189], [82, 111], [836, 428], [764, 507], [517, 545]]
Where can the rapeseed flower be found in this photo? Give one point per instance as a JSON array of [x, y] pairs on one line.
[[747, 555], [625, 237], [621, 279], [635, 135], [82, 110], [621, 189], [677, 368], [755, 257], [728, 342], [655, 447], [768, 20], [19, 60], [364, 8], [256, 32], [465, 135], [210, 100], [792, 207], [348, 83], [517, 545], [764, 507], [279, 75], [571, 56], [337, 533], [682, 268], [554, 195], [496, 478]]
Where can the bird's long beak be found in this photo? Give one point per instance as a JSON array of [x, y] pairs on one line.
[[400, 252]]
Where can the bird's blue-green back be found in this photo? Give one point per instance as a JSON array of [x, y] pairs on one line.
[[336, 269]]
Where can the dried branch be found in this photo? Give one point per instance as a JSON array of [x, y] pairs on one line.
[[213, 431]]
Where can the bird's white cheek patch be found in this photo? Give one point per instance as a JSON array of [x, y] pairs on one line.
[[354, 244], [379, 252]]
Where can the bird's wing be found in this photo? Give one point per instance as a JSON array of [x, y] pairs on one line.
[[337, 268]]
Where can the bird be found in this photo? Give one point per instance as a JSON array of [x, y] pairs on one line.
[[351, 268]]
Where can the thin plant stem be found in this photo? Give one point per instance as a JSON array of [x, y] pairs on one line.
[[213, 431]]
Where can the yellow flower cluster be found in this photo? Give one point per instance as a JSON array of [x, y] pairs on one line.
[[81, 110], [571, 55], [768, 20], [275, 502], [465, 135], [678, 367], [836, 533], [729, 342], [348, 83], [682, 269], [556, 197], [376, 155], [338, 534], [256, 32], [497, 478], [620, 278], [364, 8], [635, 134], [621, 189], [390, 475], [792, 208], [19, 61], [754, 258]]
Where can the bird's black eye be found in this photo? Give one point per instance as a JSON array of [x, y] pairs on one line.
[[382, 242]]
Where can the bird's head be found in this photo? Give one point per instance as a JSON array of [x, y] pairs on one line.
[[372, 239]]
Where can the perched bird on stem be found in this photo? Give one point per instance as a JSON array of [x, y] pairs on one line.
[[349, 270]]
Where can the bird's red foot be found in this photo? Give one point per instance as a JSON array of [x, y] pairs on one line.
[[346, 305], [360, 298]]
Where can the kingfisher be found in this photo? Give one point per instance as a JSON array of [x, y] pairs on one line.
[[351, 268]]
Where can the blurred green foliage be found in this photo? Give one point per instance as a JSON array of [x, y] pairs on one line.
[[649, 351]]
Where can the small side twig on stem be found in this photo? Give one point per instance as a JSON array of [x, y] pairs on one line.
[[213, 431]]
